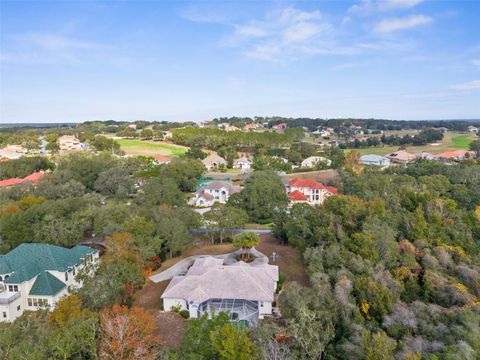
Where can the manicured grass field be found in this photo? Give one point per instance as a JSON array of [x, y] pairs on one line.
[[451, 141], [140, 147]]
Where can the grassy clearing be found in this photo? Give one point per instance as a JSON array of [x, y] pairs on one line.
[[451, 141], [140, 147]]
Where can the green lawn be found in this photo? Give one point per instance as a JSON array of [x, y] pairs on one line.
[[140, 147], [461, 141]]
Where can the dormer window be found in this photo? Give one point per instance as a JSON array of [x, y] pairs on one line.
[[66, 276]]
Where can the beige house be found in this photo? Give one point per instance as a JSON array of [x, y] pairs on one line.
[[69, 143], [213, 162], [13, 152], [401, 157], [312, 161]]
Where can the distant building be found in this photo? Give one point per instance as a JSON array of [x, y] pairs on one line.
[[243, 163], [457, 155], [213, 162], [216, 191], [160, 160], [322, 133], [246, 292], [313, 161], [473, 129], [424, 155], [68, 143], [12, 152], [250, 127], [36, 276], [372, 159], [401, 157], [308, 191], [281, 126]]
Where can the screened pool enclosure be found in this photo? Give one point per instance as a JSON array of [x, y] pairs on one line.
[[244, 311]]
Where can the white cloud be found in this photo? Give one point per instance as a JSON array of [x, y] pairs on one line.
[[282, 34], [475, 84], [371, 6], [408, 22]]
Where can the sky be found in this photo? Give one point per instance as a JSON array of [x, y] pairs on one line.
[[69, 61]]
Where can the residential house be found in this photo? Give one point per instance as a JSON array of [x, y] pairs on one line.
[[281, 126], [313, 161], [213, 162], [308, 191], [243, 163], [250, 127], [32, 178], [216, 191], [160, 160], [401, 157], [68, 143], [424, 155], [372, 159], [34, 276], [12, 152], [321, 133], [473, 129], [244, 291], [456, 155]]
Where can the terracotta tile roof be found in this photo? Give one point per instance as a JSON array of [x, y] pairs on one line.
[[297, 196], [451, 154], [312, 184], [33, 178]]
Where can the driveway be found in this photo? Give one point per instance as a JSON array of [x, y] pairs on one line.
[[182, 266]]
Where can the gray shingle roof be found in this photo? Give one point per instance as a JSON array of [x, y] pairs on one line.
[[209, 279]]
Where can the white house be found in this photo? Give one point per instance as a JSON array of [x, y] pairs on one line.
[[216, 191], [312, 161], [322, 133], [308, 191], [244, 291], [243, 163], [372, 159], [34, 276], [213, 162], [474, 129]]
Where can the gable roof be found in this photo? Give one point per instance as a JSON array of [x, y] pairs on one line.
[[311, 184], [46, 284], [373, 158], [452, 154], [217, 185], [29, 260], [297, 196], [209, 279]]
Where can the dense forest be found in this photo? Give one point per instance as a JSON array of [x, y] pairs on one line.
[[393, 264]]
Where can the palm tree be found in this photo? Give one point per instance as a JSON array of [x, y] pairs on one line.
[[245, 241]]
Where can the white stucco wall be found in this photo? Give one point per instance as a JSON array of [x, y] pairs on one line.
[[169, 303]]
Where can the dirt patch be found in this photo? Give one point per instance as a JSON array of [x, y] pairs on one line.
[[170, 327], [288, 259], [149, 296]]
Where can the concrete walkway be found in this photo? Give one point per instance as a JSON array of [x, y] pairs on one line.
[[182, 266]]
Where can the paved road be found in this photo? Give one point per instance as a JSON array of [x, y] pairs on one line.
[[182, 266]]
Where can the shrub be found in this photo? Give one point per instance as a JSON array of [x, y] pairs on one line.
[[281, 277], [175, 308], [279, 287], [185, 314]]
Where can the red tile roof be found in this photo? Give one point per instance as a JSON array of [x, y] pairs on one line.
[[297, 196], [451, 154], [312, 184], [33, 178]]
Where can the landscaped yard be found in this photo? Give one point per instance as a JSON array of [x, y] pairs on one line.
[[141, 147]]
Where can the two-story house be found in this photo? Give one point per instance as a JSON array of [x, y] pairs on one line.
[[308, 191], [216, 191], [34, 276]]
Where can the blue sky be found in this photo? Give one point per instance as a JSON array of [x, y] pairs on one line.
[[176, 60]]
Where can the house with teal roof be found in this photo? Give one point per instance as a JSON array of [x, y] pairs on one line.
[[34, 276]]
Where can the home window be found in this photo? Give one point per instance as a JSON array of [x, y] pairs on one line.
[[30, 302], [15, 287], [74, 271], [4, 314], [10, 288], [18, 308], [66, 276], [35, 302]]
